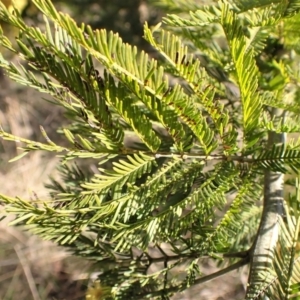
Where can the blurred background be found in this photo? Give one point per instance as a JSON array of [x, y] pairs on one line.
[[39, 270]]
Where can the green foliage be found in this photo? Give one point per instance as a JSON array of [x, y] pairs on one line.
[[181, 143]]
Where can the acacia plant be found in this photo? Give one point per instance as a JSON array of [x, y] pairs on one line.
[[190, 147]]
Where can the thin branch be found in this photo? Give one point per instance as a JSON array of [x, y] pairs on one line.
[[167, 258], [178, 288], [224, 271], [241, 254]]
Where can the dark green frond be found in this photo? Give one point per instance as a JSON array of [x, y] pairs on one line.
[[243, 62], [124, 171], [278, 158]]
